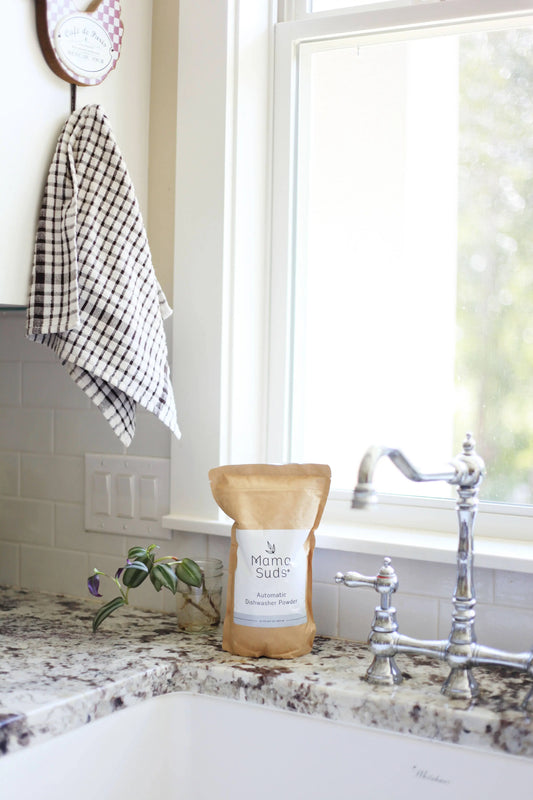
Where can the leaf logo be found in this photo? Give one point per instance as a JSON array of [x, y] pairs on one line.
[[270, 548]]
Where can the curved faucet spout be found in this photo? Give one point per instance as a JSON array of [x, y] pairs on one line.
[[460, 650], [465, 470]]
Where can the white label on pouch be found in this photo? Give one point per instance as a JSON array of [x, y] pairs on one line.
[[271, 578]]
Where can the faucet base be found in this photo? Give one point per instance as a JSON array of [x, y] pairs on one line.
[[460, 683], [384, 670]]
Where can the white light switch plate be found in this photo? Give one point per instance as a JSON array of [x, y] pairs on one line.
[[127, 494]]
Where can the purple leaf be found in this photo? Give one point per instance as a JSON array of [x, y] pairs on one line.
[[120, 570], [93, 584]]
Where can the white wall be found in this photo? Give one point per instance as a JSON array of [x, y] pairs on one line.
[[36, 103], [163, 115]]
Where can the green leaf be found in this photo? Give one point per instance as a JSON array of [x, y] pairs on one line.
[[162, 575], [189, 572], [106, 610], [134, 574], [137, 554], [144, 554]]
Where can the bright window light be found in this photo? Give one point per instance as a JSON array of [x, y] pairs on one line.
[[413, 279]]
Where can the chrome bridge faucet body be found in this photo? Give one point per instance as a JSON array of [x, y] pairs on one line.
[[461, 650]]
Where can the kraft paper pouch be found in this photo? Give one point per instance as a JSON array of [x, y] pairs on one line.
[[276, 509]]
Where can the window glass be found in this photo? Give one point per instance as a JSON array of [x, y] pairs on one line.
[[413, 266], [333, 5]]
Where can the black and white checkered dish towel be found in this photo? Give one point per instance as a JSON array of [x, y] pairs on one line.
[[94, 297]]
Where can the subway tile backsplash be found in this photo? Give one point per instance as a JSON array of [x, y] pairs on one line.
[[46, 427]]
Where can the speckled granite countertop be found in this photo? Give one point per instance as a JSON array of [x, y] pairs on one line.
[[56, 675]]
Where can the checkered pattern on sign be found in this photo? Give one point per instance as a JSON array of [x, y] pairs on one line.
[[94, 297], [107, 13]]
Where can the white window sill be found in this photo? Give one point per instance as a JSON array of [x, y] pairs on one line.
[[420, 545]]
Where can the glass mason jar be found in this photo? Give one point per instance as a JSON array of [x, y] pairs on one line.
[[198, 607]]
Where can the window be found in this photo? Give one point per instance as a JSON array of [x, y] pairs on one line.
[[408, 242], [412, 266], [299, 9], [251, 348]]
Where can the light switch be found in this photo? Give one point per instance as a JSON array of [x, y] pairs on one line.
[[127, 495], [101, 493], [148, 500], [124, 500]]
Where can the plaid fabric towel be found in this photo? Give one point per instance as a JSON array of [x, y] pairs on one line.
[[94, 297]]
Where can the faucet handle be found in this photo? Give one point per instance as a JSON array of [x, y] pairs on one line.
[[383, 668], [354, 580], [385, 582]]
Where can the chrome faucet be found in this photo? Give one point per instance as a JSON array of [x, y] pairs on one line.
[[460, 650]]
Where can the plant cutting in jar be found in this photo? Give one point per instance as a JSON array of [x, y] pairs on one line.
[[198, 607], [141, 563]]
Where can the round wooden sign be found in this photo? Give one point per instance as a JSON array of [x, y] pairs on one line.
[[82, 47]]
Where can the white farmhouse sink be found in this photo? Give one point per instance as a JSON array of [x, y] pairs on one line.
[[202, 748]]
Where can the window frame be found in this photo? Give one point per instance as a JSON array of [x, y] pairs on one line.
[[235, 145]]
